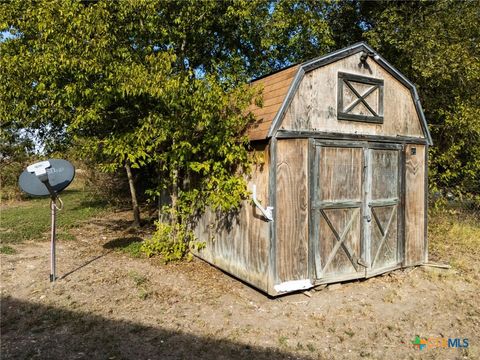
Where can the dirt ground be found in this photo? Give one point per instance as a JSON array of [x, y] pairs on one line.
[[109, 305]]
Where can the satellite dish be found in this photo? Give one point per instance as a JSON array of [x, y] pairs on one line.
[[59, 173], [48, 178]]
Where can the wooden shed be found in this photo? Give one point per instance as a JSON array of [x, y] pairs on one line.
[[341, 192]]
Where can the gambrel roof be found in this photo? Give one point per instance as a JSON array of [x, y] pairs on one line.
[[280, 87], [275, 90]]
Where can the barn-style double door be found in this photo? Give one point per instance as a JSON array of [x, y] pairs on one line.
[[355, 228]]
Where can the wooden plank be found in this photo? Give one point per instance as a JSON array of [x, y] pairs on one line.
[[341, 174], [383, 199], [290, 134], [414, 204], [316, 264], [351, 255], [364, 228], [339, 253], [272, 192], [311, 194], [425, 206], [239, 243], [292, 210], [385, 174], [360, 118], [401, 208], [384, 202], [314, 106], [384, 237], [337, 183], [336, 204]]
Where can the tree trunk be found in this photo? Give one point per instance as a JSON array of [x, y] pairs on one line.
[[133, 193], [174, 198]]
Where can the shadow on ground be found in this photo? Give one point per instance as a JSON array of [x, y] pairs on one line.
[[88, 262], [121, 243], [53, 333], [114, 225]]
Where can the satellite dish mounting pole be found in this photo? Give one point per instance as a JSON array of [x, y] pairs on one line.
[[53, 259], [53, 208]]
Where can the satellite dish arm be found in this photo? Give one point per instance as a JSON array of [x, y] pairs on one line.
[[53, 193]]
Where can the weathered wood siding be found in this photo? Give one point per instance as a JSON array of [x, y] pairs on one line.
[[415, 205], [314, 105], [338, 193], [383, 200], [239, 244], [291, 219]]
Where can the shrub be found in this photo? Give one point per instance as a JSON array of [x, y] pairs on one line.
[[171, 241]]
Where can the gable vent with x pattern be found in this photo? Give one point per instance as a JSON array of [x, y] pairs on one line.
[[360, 98]]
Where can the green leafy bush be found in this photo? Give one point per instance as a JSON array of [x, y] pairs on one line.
[[171, 241]]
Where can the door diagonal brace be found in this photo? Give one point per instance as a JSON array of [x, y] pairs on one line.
[[341, 240], [384, 237]]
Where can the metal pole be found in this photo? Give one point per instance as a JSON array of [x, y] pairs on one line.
[[52, 244]]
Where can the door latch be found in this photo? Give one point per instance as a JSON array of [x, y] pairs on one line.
[[368, 218]]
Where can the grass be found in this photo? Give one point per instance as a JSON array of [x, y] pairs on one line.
[[141, 283], [134, 249], [8, 250], [454, 238], [137, 278], [130, 245], [283, 341], [30, 219]]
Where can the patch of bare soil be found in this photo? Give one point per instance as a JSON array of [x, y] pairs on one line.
[[108, 305]]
